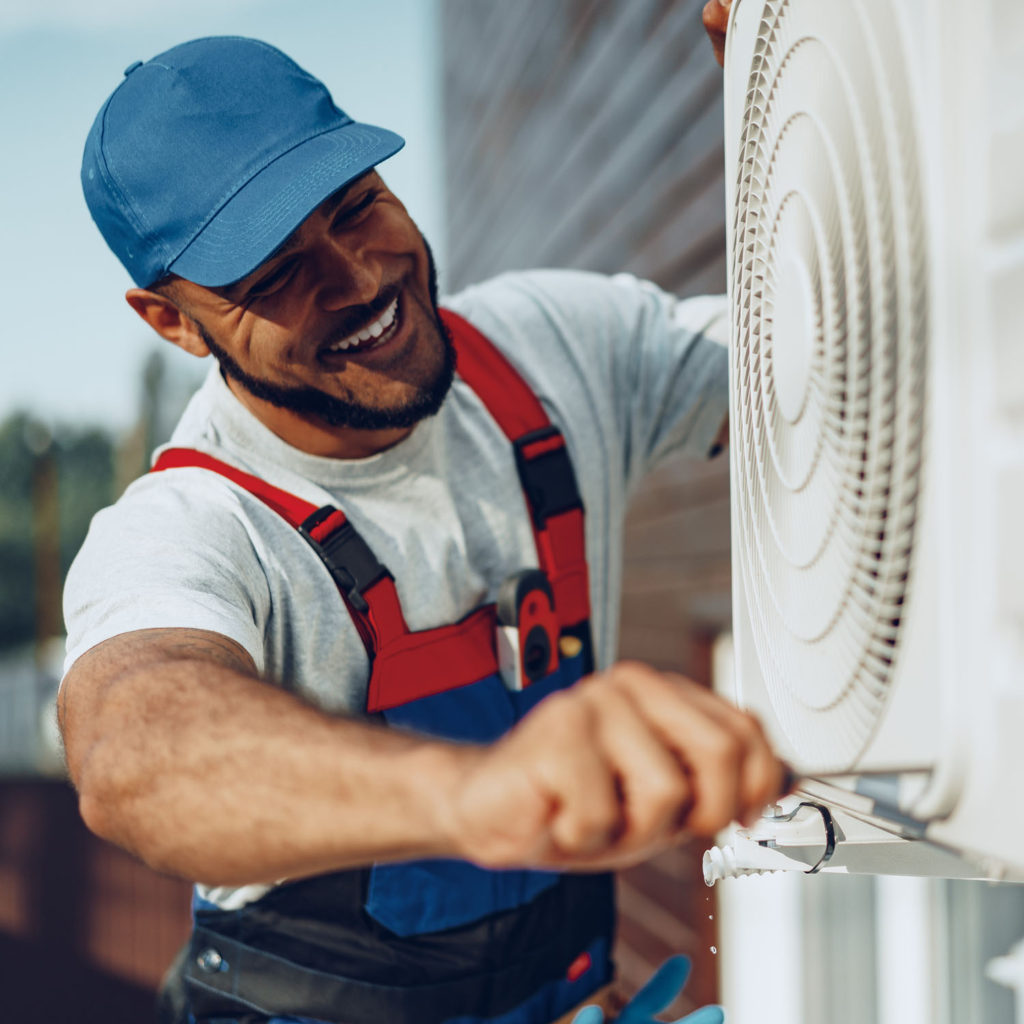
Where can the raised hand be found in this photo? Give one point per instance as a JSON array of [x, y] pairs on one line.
[[716, 19]]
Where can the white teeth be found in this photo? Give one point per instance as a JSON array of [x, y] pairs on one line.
[[374, 330]]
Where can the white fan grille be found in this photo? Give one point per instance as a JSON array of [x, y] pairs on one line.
[[828, 280]]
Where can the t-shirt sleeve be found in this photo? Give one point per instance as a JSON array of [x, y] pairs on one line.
[[164, 557], [670, 373]]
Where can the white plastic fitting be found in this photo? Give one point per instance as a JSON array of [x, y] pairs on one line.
[[742, 858], [792, 836]]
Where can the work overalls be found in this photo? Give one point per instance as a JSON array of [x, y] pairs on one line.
[[430, 941]]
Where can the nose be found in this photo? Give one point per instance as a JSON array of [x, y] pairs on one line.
[[349, 274]]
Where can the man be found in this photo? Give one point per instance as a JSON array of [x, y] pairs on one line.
[[288, 677]]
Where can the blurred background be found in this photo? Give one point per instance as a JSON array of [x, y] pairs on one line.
[[581, 133]]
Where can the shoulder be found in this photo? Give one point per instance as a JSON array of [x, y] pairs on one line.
[[181, 501], [188, 522], [574, 309], [177, 549], [559, 301], [559, 328]]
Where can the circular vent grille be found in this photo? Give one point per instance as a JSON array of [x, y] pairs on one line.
[[828, 276]]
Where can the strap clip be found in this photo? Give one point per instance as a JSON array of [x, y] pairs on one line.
[[547, 478], [351, 562]]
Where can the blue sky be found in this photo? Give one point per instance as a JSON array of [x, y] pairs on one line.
[[71, 346]]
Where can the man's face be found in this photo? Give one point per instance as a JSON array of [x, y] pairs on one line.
[[339, 327]]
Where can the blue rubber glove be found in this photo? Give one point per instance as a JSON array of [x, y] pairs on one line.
[[665, 984]]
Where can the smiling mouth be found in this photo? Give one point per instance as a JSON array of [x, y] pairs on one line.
[[373, 335]]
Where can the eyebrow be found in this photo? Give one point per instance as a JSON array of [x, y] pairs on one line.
[[328, 205], [293, 241]]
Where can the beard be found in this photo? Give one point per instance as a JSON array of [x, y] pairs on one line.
[[341, 412]]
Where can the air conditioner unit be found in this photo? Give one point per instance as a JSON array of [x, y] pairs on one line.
[[875, 188]]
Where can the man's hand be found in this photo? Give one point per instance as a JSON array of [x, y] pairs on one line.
[[716, 20], [609, 773]]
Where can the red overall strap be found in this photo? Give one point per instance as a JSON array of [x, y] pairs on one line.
[[380, 620], [544, 467]]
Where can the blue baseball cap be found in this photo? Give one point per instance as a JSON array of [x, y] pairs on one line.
[[207, 157]]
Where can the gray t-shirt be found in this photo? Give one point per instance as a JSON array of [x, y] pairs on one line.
[[626, 371]]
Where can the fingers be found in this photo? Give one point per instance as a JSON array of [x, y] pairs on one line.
[[710, 752], [544, 795], [732, 770], [611, 772], [761, 775], [715, 17], [572, 765], [673, 754], [654, 788]]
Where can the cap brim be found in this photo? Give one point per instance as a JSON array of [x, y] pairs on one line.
[[272, 204]]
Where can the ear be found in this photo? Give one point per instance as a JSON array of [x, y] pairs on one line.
[[168, 320]]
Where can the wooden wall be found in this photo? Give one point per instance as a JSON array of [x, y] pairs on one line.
[[86, 931], [583, 133], [587, 133]]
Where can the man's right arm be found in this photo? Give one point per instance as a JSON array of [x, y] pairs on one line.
[[181, 754]]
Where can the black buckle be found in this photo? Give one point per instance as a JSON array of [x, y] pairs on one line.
[[548, 479], [351, 562]]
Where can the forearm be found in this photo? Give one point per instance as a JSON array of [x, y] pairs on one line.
[[204, 772]]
